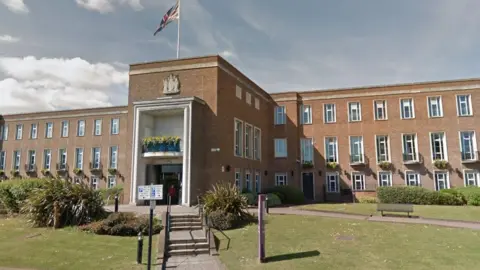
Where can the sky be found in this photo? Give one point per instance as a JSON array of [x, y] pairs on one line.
[[66, 54]]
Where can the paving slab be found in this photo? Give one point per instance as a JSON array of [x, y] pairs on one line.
[[199, 262]]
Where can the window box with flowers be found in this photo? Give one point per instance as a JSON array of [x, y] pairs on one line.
[[112, 171], [45, 172], [307, 164], [161, 144], [385, 165], [440, 163], [15, 173], [332, 165], [78, 171]]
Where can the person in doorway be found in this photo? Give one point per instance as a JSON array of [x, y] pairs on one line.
[[171, 192]]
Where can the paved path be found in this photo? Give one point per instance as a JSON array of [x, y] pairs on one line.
[[199, 262]]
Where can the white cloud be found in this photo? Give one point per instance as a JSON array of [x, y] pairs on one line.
[[106, 6], [47, 84], [17, 6], [8, 39]]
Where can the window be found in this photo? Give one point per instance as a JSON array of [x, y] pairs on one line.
[[258, 182], [354, 112], [306, 148], [94, 182], [31, 160], [49, 130], [438, 145], [62, 153], [81, 128], [111, 181], [115, 126], [4, 132], [441, 181], [247, 180], [47, 159], [238, 177], [98, 127], [380, 109], [464, 105], [248, 140], [113, 157], [471, 178], [280, 179], [329, 113], [412, 178], [257, 104], [34, 131], [238, 92], [96, 158], [358, 180], [332, 182], [408, 111], [64, 129], [435, 108], [385, 179], [305, 114], [248, 98], [331, 149], [356, 149], [280, 148], [238, 138], [383, 153], [16, 160], [19, 133], [280, 117], [409, 142], [79, 158], [257, 148], [3, 160], [468, 145]]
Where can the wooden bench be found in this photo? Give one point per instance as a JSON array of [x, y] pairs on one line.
[[399, 208]]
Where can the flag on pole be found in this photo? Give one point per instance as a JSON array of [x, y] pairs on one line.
[[171, 15]]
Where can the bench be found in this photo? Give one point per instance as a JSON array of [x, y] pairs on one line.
[[399, 208]]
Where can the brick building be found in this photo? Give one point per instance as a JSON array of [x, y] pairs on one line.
[[332, 144]]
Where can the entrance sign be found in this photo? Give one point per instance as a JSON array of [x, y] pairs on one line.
[[151, 192]]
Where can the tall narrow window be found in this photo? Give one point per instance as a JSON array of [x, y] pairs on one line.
[[441, 181], [257, 104], [471, 178], [464, 105], [238, 92], [248, 180], [356, 149], [380, 109], [2, 130], [354, 112], [280, 148], [113, 157], [248, 98], [257, 148], [468, 146], [4, 133], [412, 178], [81, 128], [258, 182], [49, 130], [280, 179], [435, 108], [332, 182], [3, 160], [16, 160], [47, 159], [306, 147], [79, 158], [112, 181], [358, 180], [438, 146], [383, 153], [329, 113], [248, 141], [115, 126], [97, 127], [238, 138], [306, 114], [409, 142], [280, 117], [62, 154], [385, 179], [238, 179], [96, 158], [94, 182], [34, 131], [64, 129], [408, 111], [32, 156], [19, 132], [331, 148]]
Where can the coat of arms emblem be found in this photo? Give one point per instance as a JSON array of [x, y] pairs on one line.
[[171, 84]]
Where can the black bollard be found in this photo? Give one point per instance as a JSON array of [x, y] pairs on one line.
[[139, 248], [266, 204], [116, 203]]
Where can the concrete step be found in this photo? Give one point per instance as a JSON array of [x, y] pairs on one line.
[[185, 218], [192, 245], [186, 223], [188, 252], [185, 228], [187, 241]]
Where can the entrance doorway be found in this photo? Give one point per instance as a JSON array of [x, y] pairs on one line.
[[167, 175], [308, 187]]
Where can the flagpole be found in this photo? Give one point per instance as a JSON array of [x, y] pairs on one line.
[[178, 33]]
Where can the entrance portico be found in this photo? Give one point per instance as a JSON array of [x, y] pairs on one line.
[[171, 117]]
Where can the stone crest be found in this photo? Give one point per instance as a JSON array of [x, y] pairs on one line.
[[171, 85]]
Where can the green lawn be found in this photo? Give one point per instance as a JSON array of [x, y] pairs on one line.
[[39, 248], [469, 213], [307, 242]]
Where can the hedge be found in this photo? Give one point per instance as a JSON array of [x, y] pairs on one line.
[[13, 193], [287, 194], [419, 195]]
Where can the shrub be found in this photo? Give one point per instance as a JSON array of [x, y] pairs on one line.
[[418, 195], [367, 199], [122, 224], [290, 194], [280, 196], [273, 200], [471, 194], [250, 198], [226, 198], [456, 193], [220, 220], [78, 204], [13, 193]]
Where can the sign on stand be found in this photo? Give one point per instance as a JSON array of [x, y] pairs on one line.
[[152, 193]]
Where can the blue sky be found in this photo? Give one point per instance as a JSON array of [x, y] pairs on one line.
[[57, 54]]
